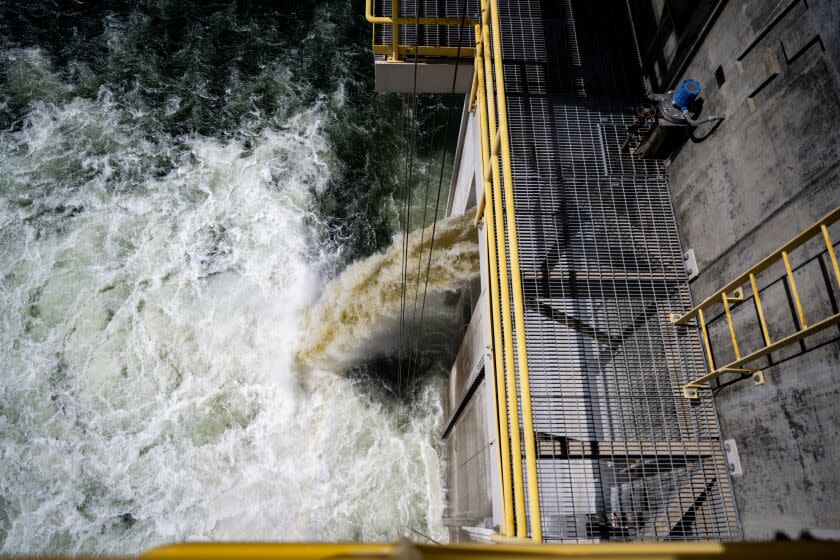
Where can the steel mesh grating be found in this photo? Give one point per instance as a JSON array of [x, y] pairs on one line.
[[621, 455]]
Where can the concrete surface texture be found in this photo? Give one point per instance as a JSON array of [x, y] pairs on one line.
[[767, 172], [432, 77], [472, 477]]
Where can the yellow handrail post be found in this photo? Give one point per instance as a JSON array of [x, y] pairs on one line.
[[794, 292], [395, 29], [372, 18], [516, 274], [760, 311], [474, 86], [725, 299], [706, 342], [832, 255], [493, 300]]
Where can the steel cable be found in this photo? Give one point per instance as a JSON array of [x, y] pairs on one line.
[[440, 184], [408, 189]]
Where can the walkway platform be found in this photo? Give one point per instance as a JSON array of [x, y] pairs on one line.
[[620, 455]]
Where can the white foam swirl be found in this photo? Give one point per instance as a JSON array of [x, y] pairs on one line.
[[148, 321]]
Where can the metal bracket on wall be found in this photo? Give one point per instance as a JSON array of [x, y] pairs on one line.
[[691, 268], [691, 391], [732, 458]]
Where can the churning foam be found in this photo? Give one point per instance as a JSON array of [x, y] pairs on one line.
[[148, 325]]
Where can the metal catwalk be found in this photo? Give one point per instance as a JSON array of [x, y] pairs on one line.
[[621, 455]]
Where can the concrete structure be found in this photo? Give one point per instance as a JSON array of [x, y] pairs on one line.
[[767, 172], [432, 76], [472, 468]]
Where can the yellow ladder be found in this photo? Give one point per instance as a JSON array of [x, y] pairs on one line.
[[734, 292]]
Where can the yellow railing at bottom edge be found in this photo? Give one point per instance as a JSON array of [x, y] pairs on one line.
[[407, 550]]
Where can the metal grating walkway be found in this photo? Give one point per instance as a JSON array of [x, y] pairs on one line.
[[621, 455]]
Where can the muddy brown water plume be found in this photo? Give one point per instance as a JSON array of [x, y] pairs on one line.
[[358, 313]]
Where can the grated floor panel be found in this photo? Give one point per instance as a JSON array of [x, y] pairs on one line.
[[622, 456]]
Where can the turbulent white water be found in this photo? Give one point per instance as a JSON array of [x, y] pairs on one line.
[[148, 327]]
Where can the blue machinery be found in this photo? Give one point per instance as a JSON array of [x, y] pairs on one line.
[[664, 121], [684, 96]]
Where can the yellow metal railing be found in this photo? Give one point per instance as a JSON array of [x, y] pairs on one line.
[[488, 95], [734, 292], [495, 311], [410, 551], [396, 51]]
